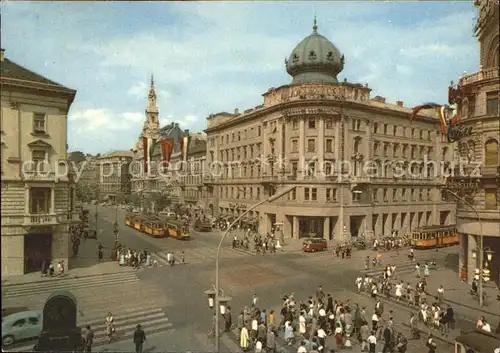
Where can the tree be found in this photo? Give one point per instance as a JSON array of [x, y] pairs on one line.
[[119, 198], [77, 157]]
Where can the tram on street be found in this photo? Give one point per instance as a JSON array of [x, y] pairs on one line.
[[178, 230], [431, 237], [154, 227]]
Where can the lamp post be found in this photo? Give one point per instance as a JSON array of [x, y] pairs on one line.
[[217, 287], [481, 242]]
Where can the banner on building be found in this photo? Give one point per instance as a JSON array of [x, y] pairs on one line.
[[145, 149], [184, 145], [167, 147]]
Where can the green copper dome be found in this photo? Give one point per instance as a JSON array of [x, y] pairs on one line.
[[315, 60]]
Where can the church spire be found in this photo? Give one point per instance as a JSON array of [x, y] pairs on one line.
[[152, 98], [315, 26]]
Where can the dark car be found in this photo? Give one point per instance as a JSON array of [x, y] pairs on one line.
[[314, 244]]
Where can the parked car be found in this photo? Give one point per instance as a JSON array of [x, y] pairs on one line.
[[314, 244], [21, 326]]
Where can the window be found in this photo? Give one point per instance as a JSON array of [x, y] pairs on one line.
[[38, 158], [375, 128], [491, 153], [33, 320], [331, 195], [328, 123], [412, 133], [394, 194], [492, 103], [294, 168], [421, 134], [259, 131], [21, 322], [306, 194], [39, 200], [386, 150], [314, 194], [357, 142], [490, 199], [295, 124], [239, 136], [386, 196], [292, 195], [329, 145], [233, 137], [385, 129], [39, 122], [311, 123], [295, 145], [311, 146], [394, 130], [311, 169]]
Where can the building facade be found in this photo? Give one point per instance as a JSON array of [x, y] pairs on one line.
[[187, 177], [38, 203], [360, 165], [115, 176], [479, 211]]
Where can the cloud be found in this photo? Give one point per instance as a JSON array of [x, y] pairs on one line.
[[212, 57]]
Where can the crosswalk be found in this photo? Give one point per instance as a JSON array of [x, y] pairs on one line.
[[131, 302], [200, 255]]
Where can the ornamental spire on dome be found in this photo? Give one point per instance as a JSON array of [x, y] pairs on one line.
[[315, 26], [152, 97]]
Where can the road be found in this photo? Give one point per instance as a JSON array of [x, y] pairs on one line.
[[170, 301]]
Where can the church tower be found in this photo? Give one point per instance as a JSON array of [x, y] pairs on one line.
[[152, 124], [487, 33]]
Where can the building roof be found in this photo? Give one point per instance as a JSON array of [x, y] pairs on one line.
[[479, 341], [315, 59], [9, 69], [123, 153]]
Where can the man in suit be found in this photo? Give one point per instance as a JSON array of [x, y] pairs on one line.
[[388, 338], [139, 338], [88, 339]]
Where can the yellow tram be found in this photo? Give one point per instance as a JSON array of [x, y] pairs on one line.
[[129, 220], [138, 223], [154, 227], [178, 230], [434, 237]]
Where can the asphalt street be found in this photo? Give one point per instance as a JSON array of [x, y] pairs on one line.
[[241, 275]]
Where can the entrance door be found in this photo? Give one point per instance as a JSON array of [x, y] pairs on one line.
[[37, 248]]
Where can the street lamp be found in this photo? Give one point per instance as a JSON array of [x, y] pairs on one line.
[[217, 288], [481, 244], [489, 253]]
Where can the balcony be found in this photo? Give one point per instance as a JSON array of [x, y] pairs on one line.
[[490, 171], [40, 174], [268, 179], [40, 220], [486, 74], [70, 217], [208, 179]]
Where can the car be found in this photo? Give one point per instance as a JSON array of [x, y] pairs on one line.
[[21, 326], [314, 244]]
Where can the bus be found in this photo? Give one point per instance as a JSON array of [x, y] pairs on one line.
[[430, 237]]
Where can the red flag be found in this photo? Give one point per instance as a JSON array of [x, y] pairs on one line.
[[418, 108], [145, 148], [167, 147]]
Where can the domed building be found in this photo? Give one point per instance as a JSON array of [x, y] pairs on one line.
[[477, 98], [319, 133]]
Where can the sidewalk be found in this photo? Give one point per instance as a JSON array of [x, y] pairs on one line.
[[456, 293]]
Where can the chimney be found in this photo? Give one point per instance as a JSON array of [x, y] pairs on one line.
[[236, 111], [2, 54], [399, 103]]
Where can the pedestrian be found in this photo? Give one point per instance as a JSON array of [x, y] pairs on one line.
[[139, 338], [88, 339], [440, 294], [244, 339], [255, 299], [270, 340], [417, 269], [372, 342], [364, 333], [431, 345], [388, 338], [183, 257]]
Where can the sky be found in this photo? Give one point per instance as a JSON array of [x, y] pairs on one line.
[[209, 57]]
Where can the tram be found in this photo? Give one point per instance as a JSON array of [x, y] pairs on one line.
[[477, 341], [430, 237], [154, 227], [178, 230]]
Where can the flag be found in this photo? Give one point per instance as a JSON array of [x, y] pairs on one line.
[[145, 152], [167, 147], [418, 108], [184, 144]]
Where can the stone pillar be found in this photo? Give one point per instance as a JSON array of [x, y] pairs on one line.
[[302, 141], [388, 226], [287, 227], [52, 200], [295, 227], [326, 228], [279, 142], [321, 147], [472, 263], [26, 200], [378, 226], [337, 144]]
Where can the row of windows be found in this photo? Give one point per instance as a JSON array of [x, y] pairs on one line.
[[238, 136], [238, 153], [401, 150], [402, 131]]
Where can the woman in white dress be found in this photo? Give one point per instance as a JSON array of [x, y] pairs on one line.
[[302, 324], [110, 326], [399, 290]]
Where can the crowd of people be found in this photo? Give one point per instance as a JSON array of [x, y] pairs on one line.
[[308, 323]]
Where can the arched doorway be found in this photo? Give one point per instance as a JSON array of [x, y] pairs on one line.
[[211, 208], [491, 152]]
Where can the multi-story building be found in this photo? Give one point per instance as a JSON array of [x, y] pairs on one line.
[[37, 187], [115, 175], [187, 177], [87, 172], [478, 212], [359, 163]]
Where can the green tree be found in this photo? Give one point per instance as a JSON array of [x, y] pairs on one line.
[[77, 157]]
